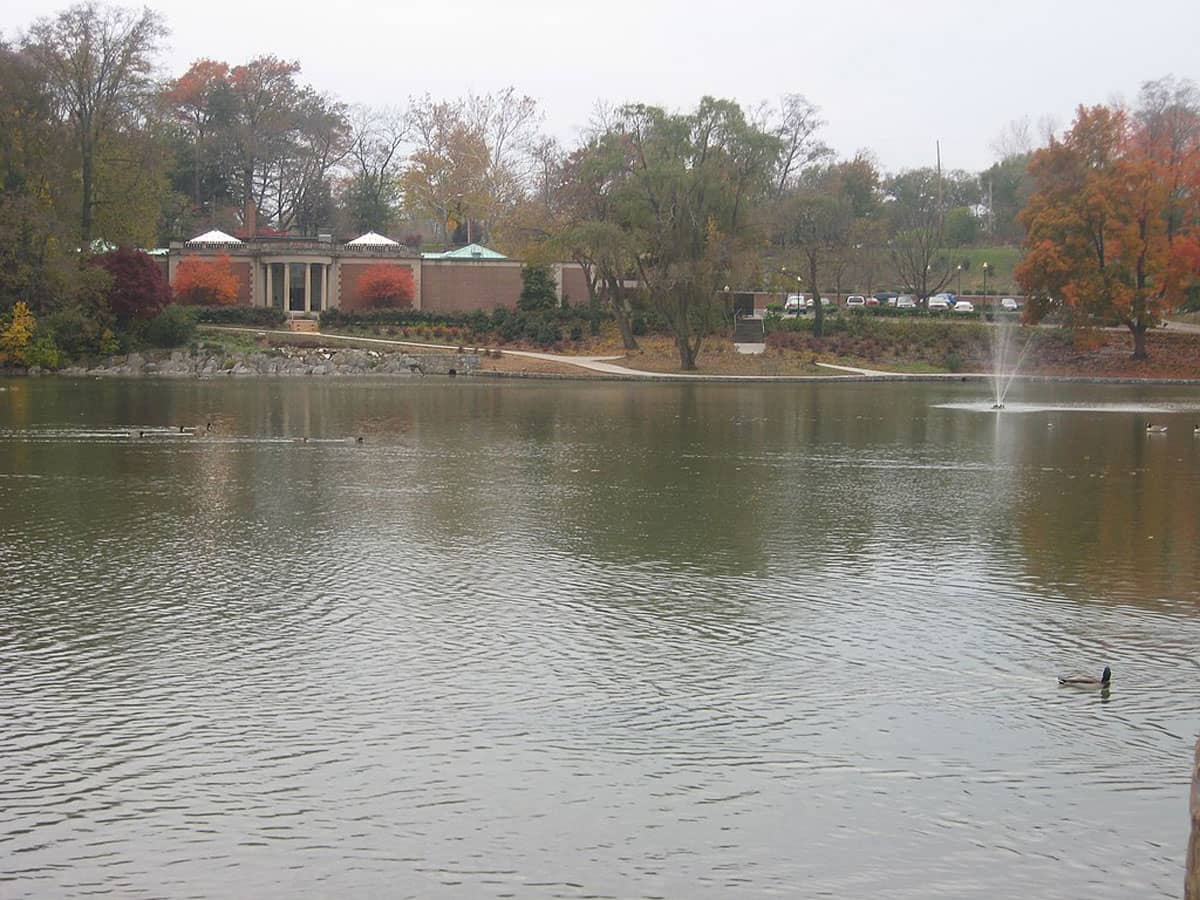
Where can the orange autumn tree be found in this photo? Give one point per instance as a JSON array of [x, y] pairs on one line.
[[386, 285], [1097, 235], [206, 282]]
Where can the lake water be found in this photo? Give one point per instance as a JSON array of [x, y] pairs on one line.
[[546, 639]]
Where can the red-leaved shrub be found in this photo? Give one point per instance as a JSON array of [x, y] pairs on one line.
[[139, 288], [386, 285], [206, 282]]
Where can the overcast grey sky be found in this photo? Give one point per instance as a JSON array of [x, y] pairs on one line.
[[889, 76]]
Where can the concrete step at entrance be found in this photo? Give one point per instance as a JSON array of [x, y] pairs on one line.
[[297, 324], [748, 331]]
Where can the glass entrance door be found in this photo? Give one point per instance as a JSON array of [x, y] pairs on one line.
[[297, 287]]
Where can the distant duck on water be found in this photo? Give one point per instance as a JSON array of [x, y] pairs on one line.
[[1155, 429], [1088, 680]]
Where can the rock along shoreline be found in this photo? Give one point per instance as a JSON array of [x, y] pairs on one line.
[[276, 361]]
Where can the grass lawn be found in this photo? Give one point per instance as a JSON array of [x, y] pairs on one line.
[[213, 340], [657, 353], [1000, 279]]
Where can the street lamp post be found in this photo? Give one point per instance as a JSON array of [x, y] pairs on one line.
[[959, 268], [987, 267]]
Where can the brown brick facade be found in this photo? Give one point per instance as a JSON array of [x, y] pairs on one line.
[[465, 285], [574, 285], [439, 285], [243, 272]]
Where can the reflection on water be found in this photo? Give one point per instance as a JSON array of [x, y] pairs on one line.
[[541, 639]]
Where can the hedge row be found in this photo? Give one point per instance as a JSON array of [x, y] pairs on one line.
[[545, 327], [338, 318], [255, 316], [477, 320]]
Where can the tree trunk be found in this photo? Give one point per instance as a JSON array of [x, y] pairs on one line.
[[196, 174], [616, 295], [1191, 877], [590, 278], [818, 307], [687, 353], [250, 213], [87, 163], [682, 330], [1138, 329]]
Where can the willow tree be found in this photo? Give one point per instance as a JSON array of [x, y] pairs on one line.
[[688, 198], [592, 206]]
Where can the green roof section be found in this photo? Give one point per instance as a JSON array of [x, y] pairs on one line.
[[471, 251]]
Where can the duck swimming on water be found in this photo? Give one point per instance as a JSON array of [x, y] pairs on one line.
[[1155, 429], [1088, 680]]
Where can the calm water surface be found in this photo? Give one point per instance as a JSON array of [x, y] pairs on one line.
[[592, 640]]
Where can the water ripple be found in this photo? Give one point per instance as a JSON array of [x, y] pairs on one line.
[[510, 647]]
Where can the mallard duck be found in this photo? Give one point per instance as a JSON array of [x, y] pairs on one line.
[[1196, 431], [1155, 429], [1087, 680]]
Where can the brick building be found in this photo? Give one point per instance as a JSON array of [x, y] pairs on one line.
[[304, 276]]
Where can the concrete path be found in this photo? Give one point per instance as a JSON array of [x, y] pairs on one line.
[[1186, 327]]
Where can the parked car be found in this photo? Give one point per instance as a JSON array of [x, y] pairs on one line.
[[872, 301], [1008, 304], [825, 301], [794, 305], [888, 297], [938, 302], [856, 301], [906, 301], [964, 306]]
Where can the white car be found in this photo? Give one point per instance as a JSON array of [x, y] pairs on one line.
[[855, 301], [964, 306], [938, 301], [794, 304], [1009, 304], [906, 301]]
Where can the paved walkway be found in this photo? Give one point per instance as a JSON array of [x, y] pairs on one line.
[[1186, 327]]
